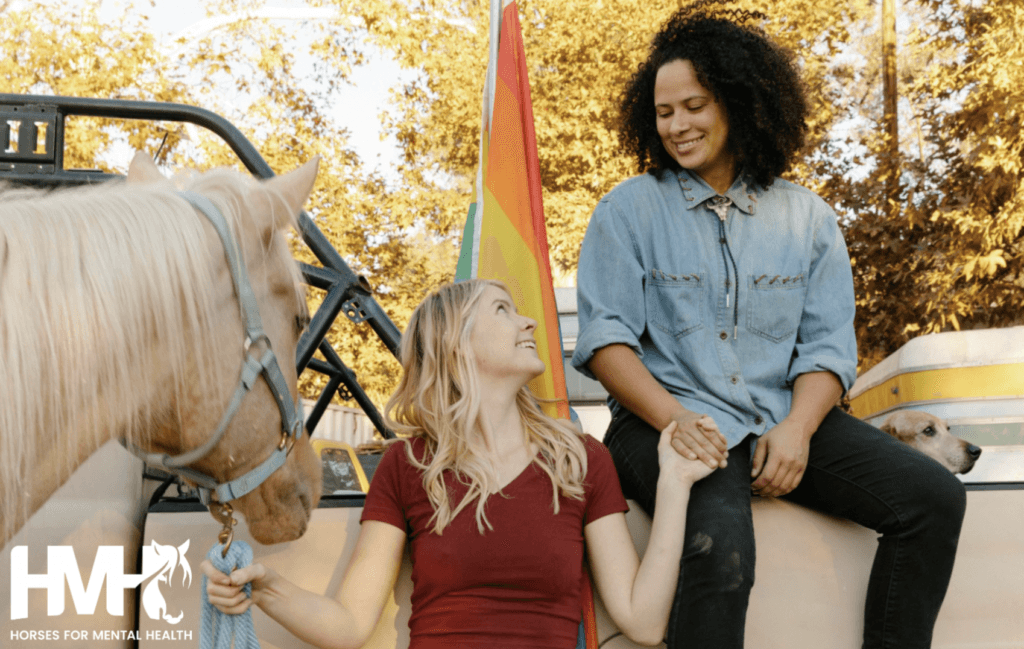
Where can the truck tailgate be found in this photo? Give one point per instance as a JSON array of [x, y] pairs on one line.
[[812, 573]]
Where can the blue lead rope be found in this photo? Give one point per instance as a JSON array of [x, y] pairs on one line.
[[219, 630]]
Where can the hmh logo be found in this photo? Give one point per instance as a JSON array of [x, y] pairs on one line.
[[158, 561]]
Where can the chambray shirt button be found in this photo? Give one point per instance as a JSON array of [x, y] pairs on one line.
[[723, 335], [758, 420], [735, 380]]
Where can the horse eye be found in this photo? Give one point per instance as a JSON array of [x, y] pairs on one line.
[[929, 431], [301, 322]]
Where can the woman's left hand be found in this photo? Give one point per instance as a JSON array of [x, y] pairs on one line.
[[780, 460], [225, 591], [674, 465]]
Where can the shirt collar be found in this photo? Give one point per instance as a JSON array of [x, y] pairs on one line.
[[743, 192]]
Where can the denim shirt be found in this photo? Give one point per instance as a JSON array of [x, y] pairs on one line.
[[658, 272]]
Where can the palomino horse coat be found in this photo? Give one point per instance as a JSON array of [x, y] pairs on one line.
[[118, 319]]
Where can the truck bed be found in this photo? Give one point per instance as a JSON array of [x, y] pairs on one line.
[[809, 591]]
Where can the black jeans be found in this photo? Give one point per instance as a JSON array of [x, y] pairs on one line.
[[855, 472]]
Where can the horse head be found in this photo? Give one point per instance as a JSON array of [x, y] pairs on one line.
[[259, 214]]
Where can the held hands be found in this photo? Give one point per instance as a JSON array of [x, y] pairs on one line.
[[780, 460], [697, 438], [673, 464], [225, 592]]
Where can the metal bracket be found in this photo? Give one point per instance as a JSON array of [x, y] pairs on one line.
[[354, 310], [19, 138]]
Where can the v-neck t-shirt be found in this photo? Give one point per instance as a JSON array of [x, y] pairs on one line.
[[516, 585]]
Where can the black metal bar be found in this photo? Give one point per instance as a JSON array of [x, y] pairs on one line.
[[322, 402], [355, 391], [317, 276], [149, 110], [319, 325], [23, 176], [350, 381], [353, 284]]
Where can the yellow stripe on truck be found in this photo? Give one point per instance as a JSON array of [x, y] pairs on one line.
[[941, 384]]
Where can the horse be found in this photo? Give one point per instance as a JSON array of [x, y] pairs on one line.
[[119, 320]]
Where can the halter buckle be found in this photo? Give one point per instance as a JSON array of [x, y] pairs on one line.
[[287, 441], [249, 342]]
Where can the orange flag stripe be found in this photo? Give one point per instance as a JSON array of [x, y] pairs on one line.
[[510, 228]]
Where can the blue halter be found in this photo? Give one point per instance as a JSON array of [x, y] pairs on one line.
[[253, 367]]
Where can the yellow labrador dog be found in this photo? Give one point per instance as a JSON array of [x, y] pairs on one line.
[[930, 435]]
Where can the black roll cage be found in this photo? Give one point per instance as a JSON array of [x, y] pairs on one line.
[[345, 291]]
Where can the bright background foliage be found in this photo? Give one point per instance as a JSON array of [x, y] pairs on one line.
[[949, 257]]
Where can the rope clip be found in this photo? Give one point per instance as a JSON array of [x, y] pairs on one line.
[[222, 513]]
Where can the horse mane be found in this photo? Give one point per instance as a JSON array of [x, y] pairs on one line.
[[101, 289]]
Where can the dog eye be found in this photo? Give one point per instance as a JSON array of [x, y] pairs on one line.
[[930, 431]]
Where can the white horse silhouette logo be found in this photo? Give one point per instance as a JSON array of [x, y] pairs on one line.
[[161, 561]]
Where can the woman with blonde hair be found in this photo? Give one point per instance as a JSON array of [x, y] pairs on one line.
[[496, 500]]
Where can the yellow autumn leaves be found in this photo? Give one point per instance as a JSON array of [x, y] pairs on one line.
[[951, 258]]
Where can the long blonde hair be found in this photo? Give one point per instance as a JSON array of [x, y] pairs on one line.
[[438, 399]]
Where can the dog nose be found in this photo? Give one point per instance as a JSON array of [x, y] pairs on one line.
[[973, 451]]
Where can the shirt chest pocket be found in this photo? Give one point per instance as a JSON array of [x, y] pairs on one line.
[[674, 302], [776, 305]]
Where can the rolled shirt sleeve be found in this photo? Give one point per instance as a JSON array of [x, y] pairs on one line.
[[610, 287], [826, 339], [725, 310]]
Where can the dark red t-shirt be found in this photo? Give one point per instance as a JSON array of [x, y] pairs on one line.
[[515, 586]]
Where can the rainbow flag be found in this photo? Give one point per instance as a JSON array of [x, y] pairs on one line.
[[505, 237]]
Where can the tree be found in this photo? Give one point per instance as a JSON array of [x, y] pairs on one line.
[[70, 52], [949, 258], [952, 258], [580, 53]]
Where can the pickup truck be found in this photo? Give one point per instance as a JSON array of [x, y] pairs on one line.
[[812, 569]]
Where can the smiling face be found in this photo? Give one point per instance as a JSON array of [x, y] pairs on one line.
[[692, 125], [502, 340]]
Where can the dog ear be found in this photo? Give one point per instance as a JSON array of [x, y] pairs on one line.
[[888, 426]]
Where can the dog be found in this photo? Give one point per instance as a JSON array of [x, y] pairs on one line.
[[930, 435]]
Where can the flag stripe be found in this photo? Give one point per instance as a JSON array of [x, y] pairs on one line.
[[505, 236]]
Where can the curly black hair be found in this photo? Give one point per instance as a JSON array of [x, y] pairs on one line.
[[755, 80]]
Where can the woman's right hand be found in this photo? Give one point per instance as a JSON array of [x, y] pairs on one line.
[[225, 591], [697, 437], [676, 465]]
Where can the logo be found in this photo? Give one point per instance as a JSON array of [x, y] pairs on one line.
[[159, 562]]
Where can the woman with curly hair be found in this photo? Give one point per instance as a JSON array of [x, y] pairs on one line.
[[709, 289], [495, 499]]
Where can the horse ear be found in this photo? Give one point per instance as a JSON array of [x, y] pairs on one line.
[[143, 170], [294, 187]]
